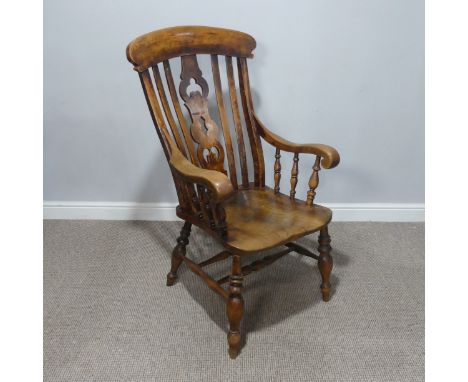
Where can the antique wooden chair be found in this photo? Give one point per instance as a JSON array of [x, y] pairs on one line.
[[233, 204]]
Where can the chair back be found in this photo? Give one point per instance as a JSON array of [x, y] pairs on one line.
[[219, 135]]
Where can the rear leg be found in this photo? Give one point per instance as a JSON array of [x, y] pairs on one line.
[[325, 262], [178, 252]]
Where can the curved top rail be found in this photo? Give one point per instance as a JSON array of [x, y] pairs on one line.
[[154, 47]]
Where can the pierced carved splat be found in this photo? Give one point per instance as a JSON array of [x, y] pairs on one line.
[[204, 131]]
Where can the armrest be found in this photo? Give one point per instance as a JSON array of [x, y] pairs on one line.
[[215, 181], [330, 156]]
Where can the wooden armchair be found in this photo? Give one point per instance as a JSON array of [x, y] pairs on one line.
[[233, 204]]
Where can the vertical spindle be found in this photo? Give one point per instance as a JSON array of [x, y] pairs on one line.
[[209, 211], [277, 169], [237, 122], [294, 173], [313, 182]]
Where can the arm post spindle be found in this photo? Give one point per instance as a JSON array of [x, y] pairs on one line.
[[313, 182], [294, 173], [277, 169]]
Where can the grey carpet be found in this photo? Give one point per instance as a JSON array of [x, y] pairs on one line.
[[108, 315]]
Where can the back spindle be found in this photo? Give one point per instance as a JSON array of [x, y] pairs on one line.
[[178, 111], [224, 119], [167, 109], [208, 208], [313, 182], [277, 169], [294, 173], [237, 122]]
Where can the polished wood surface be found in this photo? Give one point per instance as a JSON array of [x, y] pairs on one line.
[[237, 122], [204, 131], [154, 47], [217, 161], [235, 306], [224, 120], [258, 219], [294, 174], [254, 137], [258, 264], [313, 182], [178, 252], [219, 184], [277, 169], [325, 262]]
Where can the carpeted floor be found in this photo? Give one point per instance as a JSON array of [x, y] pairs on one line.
[[108, 315]]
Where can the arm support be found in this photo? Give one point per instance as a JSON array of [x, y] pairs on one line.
[[217, 183], [330, 157]]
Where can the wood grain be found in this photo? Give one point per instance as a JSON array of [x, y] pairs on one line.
[[254, 138], [294, 174], [325, 262], [237, 122], [253, 216], [178, 110], [235, 307], [215, 181], [167, 110], [258, 265], [243, 217], [178, 252], [313, 182], [209, 281], [277, 170], [224, 120], [204, 131], [154, 47]]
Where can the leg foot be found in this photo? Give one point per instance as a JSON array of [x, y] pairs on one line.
[[235, 307], [325, 262], [178, 252], [234, 344], [176, 260]]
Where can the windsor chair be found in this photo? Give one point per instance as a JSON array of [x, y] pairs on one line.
[[229, 202]]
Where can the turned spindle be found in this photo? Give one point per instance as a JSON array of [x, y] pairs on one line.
[[277, 169], [294, 173], [313, 182]]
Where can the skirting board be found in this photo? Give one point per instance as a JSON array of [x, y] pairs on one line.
[[384, 212]]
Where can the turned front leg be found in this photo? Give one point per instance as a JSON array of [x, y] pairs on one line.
[[178, 252], [325, 262], [235, 307]]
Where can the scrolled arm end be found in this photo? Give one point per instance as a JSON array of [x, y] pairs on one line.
[[330, 156], [217, 183]]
